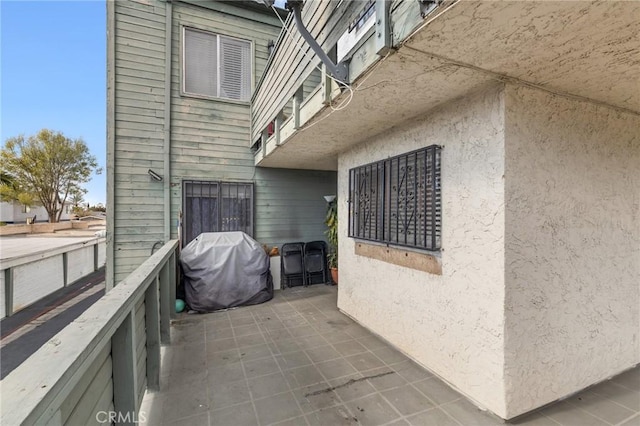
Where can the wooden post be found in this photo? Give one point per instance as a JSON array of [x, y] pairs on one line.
[[166, 148], [8, 292], [96, 253], [172, 284], [125, 380], [297, 101], [326, 86], [111, 145], [152, 320], [65, 269], [277, 126], [383, 32], [165, 305], [265, 138], [327, 81]]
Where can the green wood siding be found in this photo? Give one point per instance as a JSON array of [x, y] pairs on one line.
[[93, 393], [209, 137], [141, 349], [290, 205], [138, 66]]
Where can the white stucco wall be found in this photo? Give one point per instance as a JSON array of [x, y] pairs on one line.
[[38, 273], [572, 256], [102, 255], [33, 281], [452, 324], [6, 212], [79, 264], [2, 296], [12, 213]]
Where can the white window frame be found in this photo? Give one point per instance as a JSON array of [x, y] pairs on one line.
[[183, 78]]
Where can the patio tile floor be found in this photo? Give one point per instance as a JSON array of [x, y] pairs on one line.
[[296, 360]]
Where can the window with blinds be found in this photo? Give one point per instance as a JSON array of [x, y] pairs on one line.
[[397, 200], [216, 66]]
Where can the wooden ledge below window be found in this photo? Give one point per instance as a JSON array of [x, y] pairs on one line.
[[397, 256]]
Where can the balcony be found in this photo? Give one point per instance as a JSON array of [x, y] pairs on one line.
[[409, 57], [296, 90], [294, 360]]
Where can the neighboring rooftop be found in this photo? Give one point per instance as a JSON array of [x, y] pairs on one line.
[[12, 247]]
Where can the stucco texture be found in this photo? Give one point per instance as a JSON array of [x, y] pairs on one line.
[[451, 323], [572, 257]]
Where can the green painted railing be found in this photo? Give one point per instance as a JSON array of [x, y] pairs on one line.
[[97, 369]]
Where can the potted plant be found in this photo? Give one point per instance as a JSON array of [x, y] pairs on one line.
[[332, 237]]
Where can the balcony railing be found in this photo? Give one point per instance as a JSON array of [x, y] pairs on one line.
[[290, 70], [97, 369], [295, 87]]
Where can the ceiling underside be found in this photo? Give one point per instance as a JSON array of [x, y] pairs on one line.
[[585, 49]]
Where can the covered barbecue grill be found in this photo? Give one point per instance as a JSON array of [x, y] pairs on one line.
[[224, 270]]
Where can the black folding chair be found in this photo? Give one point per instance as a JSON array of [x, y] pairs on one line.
[[292, 265], [315, 262]]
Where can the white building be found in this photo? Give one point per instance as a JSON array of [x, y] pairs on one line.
[[19, 213], [488, 184]]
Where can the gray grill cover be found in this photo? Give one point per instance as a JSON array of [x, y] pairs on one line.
[[223, 270]]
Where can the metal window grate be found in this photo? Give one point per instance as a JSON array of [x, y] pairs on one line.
[[397, 200], [216, 207]]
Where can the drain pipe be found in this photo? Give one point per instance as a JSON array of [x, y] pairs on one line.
[[339, 71]]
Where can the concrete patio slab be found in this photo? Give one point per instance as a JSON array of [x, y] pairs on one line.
[[297, 361]]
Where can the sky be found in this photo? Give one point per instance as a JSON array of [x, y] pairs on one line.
[[53, 74]]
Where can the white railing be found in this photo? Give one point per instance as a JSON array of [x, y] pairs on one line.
[[353, 32], [36, 275], [97, 368], [293, 61]]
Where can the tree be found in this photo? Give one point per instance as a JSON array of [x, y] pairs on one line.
[[6, 179], [76, 197], [11, 191], [47, 167]]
